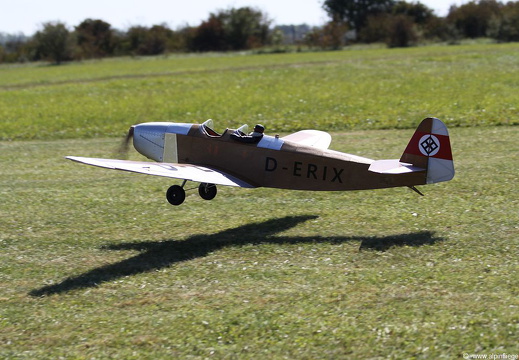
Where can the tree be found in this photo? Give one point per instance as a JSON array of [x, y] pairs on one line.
[[439, 29], [134, 40], [401, 31], [419, 12], [13, 47], [395, 30], [210, 35], [140, 40], [52, 42], [355, 12], [157, 40], [234, 29], [333, 35], [95, 38], [376, 29], [472, 19], [246, 28], [180, 39], [330, 36], [505, 27], [313, 37]]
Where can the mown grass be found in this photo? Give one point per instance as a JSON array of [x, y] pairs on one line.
[[356, 89], [96, 264]]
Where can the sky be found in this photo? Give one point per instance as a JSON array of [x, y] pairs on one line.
[[27, 16]]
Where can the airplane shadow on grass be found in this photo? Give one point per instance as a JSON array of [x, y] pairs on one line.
[[155, 255]]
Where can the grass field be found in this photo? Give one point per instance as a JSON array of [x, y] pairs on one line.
[[96, 264], [357, 89]]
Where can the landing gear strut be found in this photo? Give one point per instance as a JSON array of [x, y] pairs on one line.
[[207, 191]]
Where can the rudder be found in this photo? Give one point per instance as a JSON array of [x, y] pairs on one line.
[[430, 149]]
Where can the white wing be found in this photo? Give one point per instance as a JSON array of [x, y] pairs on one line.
[[315, 138], [177, 171]]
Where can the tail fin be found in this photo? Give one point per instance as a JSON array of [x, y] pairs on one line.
[[430, 149]]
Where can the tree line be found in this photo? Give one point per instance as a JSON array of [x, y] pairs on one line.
[[396, 23], [401, 24]]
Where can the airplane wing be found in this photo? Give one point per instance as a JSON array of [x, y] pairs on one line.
[[315, 138], [177, 171]]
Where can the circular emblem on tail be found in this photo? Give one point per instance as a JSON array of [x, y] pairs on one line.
[[429, 145]]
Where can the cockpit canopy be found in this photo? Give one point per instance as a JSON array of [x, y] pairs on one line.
[[208, 128]]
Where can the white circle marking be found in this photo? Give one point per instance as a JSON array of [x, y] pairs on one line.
[[429, 145]]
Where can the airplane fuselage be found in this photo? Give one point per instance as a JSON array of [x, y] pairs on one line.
[[272, 162]]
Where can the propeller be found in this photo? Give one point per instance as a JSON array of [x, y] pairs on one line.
[[125, 145]]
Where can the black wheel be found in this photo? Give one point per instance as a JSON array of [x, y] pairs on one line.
[[176, 195], [207, 191]]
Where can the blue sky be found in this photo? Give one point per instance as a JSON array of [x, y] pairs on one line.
[[26, 16]]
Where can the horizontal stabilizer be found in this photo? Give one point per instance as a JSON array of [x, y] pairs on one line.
[[314, 138], [393, 167]]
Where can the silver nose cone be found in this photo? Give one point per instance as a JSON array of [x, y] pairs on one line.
[[148, 139]]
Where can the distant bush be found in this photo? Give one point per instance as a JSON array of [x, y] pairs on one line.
[[472, 19], [329, 37], [234, 29], [394, 30], [375, 29], [401, 31], [53, 43], [209, 36], [418, 12], [14, 48], [94, 39], [505, 26], [439, 29]]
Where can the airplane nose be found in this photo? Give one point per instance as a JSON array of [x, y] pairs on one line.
[[148, 139]]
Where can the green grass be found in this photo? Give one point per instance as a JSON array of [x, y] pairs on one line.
[[96, 264], [355, 89]]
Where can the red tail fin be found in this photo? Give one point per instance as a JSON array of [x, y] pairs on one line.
[[430, 149]]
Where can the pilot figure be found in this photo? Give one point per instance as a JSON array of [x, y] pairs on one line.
[[252, 138]]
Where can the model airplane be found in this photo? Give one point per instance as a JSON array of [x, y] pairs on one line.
[[299, 161]]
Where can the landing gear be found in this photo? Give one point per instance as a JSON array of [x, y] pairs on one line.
[[176, 195], [207, 191]]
